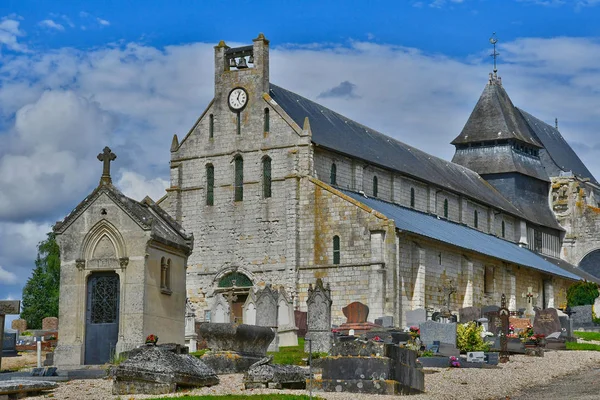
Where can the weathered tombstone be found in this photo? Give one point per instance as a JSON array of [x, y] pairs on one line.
[[19, 325], [582, 316], [7, 307], [432, 331], [266, 312], [546, 322], [318, 305], [249, 309], [529, 311], [286, 328], [9, 344], [50, 324], [385, 321], [415, 317], [487, 309], [191, 337], [300, 318], [220, 310], [356, 318], [468, 314], [566, 324]]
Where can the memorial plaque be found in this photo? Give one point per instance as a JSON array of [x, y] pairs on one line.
[[546, 321], [10, 307]]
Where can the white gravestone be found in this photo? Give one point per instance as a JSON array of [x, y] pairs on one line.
[[220, 310], [249, 309], [286, 330], [266, 312], [191, 337]]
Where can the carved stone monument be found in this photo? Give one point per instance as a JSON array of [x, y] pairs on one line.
[[356, 319], [529, 311], [266, 312], [220, 310], [191, 337], [249, 309], [287, 332], [318, 305]]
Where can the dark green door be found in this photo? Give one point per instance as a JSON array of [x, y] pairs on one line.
[[102, 317]]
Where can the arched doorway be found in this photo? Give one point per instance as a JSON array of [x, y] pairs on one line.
[[102, 317], [237, 286], [591, 263]]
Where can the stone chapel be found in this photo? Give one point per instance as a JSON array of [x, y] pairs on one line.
[[279, 189], [122, 275]]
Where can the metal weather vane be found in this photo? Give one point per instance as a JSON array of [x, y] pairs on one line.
[[495, 54]]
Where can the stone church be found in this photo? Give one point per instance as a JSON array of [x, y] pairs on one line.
[[279, 189]]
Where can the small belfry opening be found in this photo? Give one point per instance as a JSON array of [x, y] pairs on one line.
[[237, 286]]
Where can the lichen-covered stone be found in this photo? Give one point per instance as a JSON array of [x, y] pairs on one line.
[[244, 339], [22, 387], [157, 371], [263, 374]]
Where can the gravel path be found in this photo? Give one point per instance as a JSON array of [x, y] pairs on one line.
[[440, 384]]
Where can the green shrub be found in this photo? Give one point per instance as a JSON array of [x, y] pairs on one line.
[[468, 338], [582, 294]]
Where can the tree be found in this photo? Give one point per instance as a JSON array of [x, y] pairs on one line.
[[40, 294]]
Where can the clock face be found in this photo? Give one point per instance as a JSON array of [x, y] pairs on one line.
[[238, 98]]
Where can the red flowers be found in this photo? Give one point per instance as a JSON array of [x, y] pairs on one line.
[[151, 339]]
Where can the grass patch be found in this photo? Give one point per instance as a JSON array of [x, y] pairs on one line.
[[582, 346], [588, 335], [294, 355], [246, 397]]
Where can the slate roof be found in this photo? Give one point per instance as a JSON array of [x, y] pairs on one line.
[[343, 135], [462, 236], [494, 118], [556, 155], [146, 213]]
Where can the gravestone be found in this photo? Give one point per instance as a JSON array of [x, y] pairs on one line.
[[249, 309], [494, 323], [415, 317], [432, 331], [220, 310], [468, 314], [266, 312], [566, 325], [519, 324], [9, 307], [488, 309], [356, 319], [503, 316], [546, 322], [19, 325], [476, 356], [582, 316], [385, 321], [530, 296], [9, 344], [318, 305], [287, 331], [50, 324], [300, 318], [191, 337]]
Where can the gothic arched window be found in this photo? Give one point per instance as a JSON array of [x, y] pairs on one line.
[[239, 178], [266, 177], [333, 174]]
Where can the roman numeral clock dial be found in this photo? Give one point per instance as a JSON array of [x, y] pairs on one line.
[[238, 98]]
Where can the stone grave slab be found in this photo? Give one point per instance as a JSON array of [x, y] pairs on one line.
[[318, 305], [23, 388], [582, 316], [356, 319], [520, 324], [9, 343], [436, 331], [386, 321], [468, 314], [488, 309], [476, 356], [415, 317], [264, 374], [546, 321]]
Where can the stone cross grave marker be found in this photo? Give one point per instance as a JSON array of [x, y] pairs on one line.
[[318, 307], [448, 288], [546, 322], [504, 315], [7, 307], [529, 312]]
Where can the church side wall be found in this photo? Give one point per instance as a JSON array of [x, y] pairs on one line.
[[366, 269]]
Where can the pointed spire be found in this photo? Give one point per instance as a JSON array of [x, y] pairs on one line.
[[306, 128]]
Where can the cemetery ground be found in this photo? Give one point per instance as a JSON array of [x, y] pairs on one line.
[[522, 377]]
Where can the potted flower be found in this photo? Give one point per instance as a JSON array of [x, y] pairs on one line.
[[539, 339], [415, 332], [454, 362], [151, 340]]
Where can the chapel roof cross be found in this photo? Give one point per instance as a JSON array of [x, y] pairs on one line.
[[106, 157]]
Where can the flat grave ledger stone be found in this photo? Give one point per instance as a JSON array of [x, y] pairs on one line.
[[582, 315], [22, 388], [468, 314], [415, 317], [492, 358], [436, 331], [546, 322]]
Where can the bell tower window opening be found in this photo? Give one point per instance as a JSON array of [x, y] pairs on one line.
[[211, 126], [412, 197], [336, 250], [374, 186], [445, 208], [239, 123], [266, 177], [239, 178], [266, 121], [475, 219], [503, 229], [210, 185], [333, 174]]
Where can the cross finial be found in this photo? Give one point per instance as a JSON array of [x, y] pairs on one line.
[[106, 157], [495, 54]]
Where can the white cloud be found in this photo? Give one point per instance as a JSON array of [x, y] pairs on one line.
[[137, 187], [578, 4], [9, 32], [7, 277], [103, 21], [50, 24]]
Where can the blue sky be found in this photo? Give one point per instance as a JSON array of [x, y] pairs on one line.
[[76, 76]]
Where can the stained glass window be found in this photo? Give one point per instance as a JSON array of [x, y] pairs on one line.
[[236, 279]]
